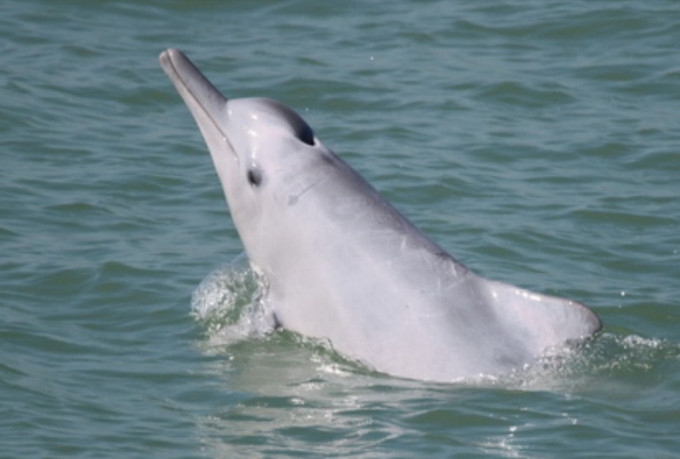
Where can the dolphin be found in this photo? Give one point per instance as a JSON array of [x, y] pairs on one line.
[[341, 264]]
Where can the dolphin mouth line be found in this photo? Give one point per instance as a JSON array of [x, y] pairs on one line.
[[168, 60]]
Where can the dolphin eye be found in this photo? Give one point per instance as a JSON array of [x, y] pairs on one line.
[[254, 177]]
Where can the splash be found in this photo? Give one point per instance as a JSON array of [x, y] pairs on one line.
[[228, 304], [598, 362]]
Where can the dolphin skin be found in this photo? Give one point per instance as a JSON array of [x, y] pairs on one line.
[[340, 263]]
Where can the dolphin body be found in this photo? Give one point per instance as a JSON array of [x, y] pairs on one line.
[[340, 263]]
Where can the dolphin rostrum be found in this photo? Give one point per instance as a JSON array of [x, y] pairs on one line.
[[341, 264]]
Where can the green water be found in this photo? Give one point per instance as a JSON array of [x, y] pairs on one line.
[[538, 142]]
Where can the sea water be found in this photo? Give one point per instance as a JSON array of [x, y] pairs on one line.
[[537, 142]]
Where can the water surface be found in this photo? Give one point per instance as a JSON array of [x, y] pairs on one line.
[[537, 142]]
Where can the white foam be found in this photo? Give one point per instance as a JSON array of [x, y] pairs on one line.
[[227, 303]]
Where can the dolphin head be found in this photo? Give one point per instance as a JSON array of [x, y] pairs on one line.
[[264, 153]]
